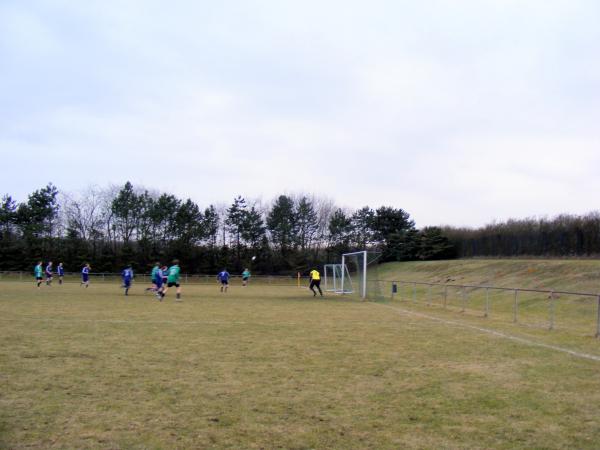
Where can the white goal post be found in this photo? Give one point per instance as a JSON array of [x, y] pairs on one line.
[[355, 263], [350, 277]]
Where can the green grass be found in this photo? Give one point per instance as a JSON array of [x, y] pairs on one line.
[[271, 367]]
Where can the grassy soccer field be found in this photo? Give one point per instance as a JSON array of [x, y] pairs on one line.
[[272, 367]]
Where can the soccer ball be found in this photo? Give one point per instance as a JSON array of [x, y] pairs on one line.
[[253, 258]]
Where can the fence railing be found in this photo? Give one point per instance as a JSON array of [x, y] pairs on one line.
[[551, 309], [108, 277]]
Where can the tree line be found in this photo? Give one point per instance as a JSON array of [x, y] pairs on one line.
[[562, 236], [118, 225]]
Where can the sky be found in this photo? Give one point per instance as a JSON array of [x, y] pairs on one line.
[[459, 112]]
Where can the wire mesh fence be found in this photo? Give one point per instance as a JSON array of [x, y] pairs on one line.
[[572, 311]]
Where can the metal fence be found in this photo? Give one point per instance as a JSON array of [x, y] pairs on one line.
[[107, 277], [550, 309]]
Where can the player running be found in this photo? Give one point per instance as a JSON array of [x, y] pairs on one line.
[[165, 275], [315, 281], [49, 273], [245, 277], [223, 277], [85, 275], [37, 272], [158, 282], [127, 276], [153, 278], [173, 280], [60, 271]]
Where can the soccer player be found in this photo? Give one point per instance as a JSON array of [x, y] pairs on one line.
[[48, 273], [85, 275], [37, 272], [315, 281], [153, 277], [173, 280], [158, 282], [245, 277], [127, 276], [223, 277], [165, 274], [60, 271]]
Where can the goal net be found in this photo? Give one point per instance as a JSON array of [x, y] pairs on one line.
[[332, 279], [359, 274]]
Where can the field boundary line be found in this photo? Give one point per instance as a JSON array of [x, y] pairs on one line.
[[494, 333]]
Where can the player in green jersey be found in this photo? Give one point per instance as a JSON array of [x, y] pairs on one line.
[[245, 277], [173, 280], [37, 272], [153, 275]]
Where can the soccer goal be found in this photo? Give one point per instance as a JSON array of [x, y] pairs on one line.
[[332, 278], [356, 266]]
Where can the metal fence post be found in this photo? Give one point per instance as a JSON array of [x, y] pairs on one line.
[[487, 302], [516, 306], [551, 325], [598, 319], [464, 299], [400, 290], [429, 295], [414, 292]]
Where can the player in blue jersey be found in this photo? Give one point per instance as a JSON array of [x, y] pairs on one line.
[[60, 271], [85, 275], [165, 275], [127, 276], [158, 283], [223, 277], [48, 272]]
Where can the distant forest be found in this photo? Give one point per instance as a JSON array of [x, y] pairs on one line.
[[118, 225], [562, 236]]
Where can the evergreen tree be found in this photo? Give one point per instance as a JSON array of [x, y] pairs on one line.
[[281, 223], [36, 218], [434, 245], [306, 223], [126, 209], [340, 232], [11, 256], [253, 228], [8, 217], [235, 221], [362, 227], [392, 230]]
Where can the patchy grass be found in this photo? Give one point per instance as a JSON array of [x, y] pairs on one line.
[[272, 367]]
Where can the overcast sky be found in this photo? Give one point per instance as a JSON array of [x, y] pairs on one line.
[[459, 112]]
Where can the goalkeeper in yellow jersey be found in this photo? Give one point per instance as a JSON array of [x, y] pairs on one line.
[[315, 281]]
